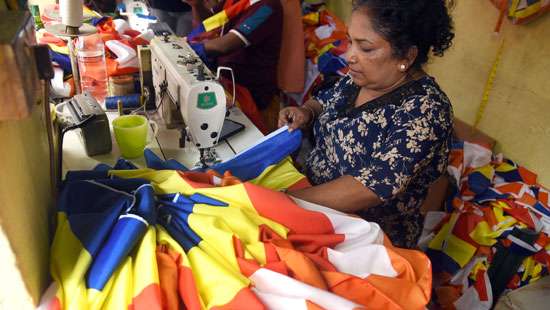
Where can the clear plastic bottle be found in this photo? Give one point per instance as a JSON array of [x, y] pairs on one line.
[[92, 67]]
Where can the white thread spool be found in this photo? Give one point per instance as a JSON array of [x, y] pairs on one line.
[[71, 12]]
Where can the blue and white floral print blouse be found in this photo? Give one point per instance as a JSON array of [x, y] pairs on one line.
[[396, 145]]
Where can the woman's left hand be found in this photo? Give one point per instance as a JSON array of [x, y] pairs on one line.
[[294, 117]]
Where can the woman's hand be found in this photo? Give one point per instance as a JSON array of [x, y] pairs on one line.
[[295, 117]]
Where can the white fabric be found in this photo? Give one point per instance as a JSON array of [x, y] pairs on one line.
[[126, 56], [325, 31], [362, 253], [121, 25], [431, 221], [273, 286], [241, 36], [470, 299]]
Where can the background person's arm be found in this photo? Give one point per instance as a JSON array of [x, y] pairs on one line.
[[223, 45], [201, 9]]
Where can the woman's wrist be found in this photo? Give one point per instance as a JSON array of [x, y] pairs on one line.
[[311, 113]]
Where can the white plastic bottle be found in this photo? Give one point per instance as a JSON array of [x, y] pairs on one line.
[[92, 66]]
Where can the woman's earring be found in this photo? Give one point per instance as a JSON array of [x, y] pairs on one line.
[[402, 67]]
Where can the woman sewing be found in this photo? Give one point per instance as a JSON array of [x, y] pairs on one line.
[[382, 133]]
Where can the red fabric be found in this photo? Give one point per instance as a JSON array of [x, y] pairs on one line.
[[247, 104]]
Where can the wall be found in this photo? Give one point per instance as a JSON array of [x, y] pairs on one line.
[[518, 112], [25, 207]]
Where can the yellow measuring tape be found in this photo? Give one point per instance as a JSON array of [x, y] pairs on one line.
[[489, 86]]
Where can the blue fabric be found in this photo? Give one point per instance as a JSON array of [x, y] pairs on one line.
[[98, 20], [478, 183], [98, 224], [125, 235], [255, 20], [154, 162], [330, 64], [249, 164], [174, 218], [63, 61], [121, 7], [201, 52], [200, 198], [195, 33], [91, 220], [396, 145]]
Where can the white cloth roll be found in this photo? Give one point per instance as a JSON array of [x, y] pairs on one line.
[[71, 12]]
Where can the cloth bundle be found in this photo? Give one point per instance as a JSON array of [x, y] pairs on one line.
[[173, 239], [494, 236]]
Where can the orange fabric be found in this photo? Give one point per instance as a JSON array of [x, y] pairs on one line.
[[114, 70], [303, 183], [55, 305], [187, 289], [48, 38], [302, 268], [358, 290], [314, 242], [247, 105], [416, 295], [168, 278], [245, 299], [510, 188], [312, 306], [287, 212], [270, 114], [447, 295], [148, 299], [291, 67], [528, 177]]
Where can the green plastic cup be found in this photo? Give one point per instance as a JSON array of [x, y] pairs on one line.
[[131, 134]]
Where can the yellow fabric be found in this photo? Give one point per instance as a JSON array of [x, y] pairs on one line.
[[461, 251], [215, 21], [70, 261]]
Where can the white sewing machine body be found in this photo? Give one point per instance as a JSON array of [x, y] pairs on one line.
[[185, 86]]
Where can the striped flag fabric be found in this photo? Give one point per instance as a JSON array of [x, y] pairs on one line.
[[176, 239]]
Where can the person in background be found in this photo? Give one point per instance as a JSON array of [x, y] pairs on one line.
[[175, 13], [249, 43], [382, 133], [102, 6]]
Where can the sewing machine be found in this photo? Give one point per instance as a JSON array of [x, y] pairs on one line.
[[188, 95], [137, 13]]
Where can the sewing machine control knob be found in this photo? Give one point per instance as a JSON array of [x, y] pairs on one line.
[[204, 126], [200, 74]]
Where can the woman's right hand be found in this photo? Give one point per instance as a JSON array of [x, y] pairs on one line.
[[294, 117]]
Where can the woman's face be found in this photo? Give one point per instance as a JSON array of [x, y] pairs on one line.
[[370, 57]]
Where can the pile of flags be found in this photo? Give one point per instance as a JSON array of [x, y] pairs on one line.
[[495, 234], [325, 40], [164, 238]]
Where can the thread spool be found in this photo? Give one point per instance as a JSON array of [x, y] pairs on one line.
[[132, 101], [121, 85], [71, 12]]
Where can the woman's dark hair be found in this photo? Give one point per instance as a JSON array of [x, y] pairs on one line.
[[425, 24]]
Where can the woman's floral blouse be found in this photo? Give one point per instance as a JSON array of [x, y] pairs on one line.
[[396, 145]]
